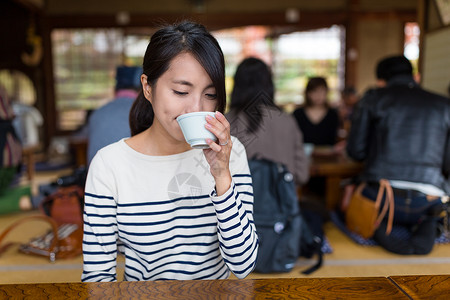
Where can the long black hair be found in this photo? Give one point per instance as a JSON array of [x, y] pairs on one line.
[[253, 87], [164, 46]]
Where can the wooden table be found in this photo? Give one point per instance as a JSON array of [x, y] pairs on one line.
[[287, 288], [424, 287], [334, 168]]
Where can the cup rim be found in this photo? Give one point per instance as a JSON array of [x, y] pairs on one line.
[[194, 114]]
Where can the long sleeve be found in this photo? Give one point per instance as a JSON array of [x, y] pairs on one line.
[[100, 225], [234, 209], [358, 139], [301, 163]]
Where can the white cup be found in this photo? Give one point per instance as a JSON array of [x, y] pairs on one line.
[[308, 149], [193, 128]]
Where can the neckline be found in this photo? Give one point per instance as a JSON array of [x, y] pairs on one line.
[[320, 121], [139, 155]]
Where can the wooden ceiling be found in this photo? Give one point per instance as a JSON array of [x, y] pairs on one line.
[[217, 14], [68, 7]]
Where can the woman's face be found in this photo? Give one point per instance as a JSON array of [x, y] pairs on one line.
[[185, 87], [318, 95]]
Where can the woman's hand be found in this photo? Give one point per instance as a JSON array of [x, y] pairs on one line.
[[218, 155]]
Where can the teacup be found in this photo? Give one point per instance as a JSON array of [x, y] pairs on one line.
[[193, 128], [308, 148]]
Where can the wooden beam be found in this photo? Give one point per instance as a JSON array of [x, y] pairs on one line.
[[212, 21], [32, 6], [307, 20]]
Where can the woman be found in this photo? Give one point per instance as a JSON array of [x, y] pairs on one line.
[[180, 213], [318, 122], [263, 128]]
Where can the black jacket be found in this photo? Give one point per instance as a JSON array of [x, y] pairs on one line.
[[402, 132]]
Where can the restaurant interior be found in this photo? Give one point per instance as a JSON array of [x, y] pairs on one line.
[[60, 57]]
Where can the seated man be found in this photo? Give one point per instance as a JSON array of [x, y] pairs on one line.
[[402, 133], [109, 123]]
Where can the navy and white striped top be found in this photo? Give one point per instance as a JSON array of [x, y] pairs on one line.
[[166, 217]]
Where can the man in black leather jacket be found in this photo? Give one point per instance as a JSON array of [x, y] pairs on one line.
[[402, 133]]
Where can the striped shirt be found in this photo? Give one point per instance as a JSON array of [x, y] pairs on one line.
[[166, 217]]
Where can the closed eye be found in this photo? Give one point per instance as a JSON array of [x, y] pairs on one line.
[[180, 93], [211, 96]]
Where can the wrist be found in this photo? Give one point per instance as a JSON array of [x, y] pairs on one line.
[[223, 183]]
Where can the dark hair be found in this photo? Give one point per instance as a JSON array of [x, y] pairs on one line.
[[164, 46], [392, 66], [314, 83], [253, 87]]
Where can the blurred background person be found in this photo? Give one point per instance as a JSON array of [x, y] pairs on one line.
[[12, 196], [109, 123], [27, 121], [265, 130], [318, 122], [349, 99], [402, 133]]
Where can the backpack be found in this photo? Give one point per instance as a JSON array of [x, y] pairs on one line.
[[277, 216]]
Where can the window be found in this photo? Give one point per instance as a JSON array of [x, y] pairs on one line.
[[301, 55], [293, 57], [411, 46], [85, 64]]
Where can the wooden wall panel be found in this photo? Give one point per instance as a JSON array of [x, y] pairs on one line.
[[436, 61], [376, 39]]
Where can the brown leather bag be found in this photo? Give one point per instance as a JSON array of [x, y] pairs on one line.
[[65, 205], [363, 215], [65, 238]]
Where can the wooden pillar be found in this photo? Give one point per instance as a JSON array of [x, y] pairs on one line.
[[49, 105], [351, 44], [421, 20]]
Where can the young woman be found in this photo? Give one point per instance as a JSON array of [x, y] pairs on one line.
[[318, 122], [174, 211]]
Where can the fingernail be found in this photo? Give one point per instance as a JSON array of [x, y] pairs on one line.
[[207, 125], [218, 113], [209, 118]]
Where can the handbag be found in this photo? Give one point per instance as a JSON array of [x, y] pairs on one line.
[[363, 215], [63, 212], [65, 205]]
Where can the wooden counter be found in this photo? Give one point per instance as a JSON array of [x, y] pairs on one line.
[[399, 287]]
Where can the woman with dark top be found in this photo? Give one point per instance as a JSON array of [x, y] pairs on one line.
[[316, 119], [319, 124]]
